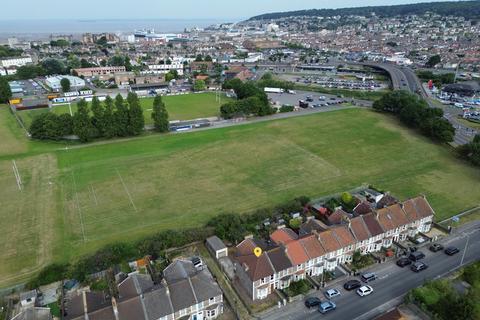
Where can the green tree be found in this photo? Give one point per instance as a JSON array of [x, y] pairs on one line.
[[65, 83], [347, 198], [109, 119], [171, 75], [208, 58], [65, 122], [121, 117], [46, 126], [5, 91], [98, 117], [433, 61], [199, 58], [295, 223], [160, 115], [53, 66], [199, 85], [135, 115], [82, 124], [29, 72]]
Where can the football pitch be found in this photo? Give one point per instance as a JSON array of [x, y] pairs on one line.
[[78, 199]]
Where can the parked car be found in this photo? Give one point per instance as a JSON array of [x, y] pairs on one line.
[[436, 247], [309, 99], [417, 255], [352, 284], [367, 277], [326, 306], [312, 302], [402, 262], [331, 293], [364, 291], [418, 266], [451, 251]]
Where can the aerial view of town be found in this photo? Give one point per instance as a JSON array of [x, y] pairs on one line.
[[255, 160]]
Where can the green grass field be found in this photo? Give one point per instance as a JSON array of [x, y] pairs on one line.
[[181, 107], [76, 200]]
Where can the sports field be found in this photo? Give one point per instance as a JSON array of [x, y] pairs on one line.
[[181, 107], [87, 196]]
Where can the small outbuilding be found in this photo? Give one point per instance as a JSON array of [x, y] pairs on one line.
[[217, 247]]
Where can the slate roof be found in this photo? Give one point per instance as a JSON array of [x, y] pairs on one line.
[[279, 259], [215, 243], [158, 303], [134, 285], [312, 225]]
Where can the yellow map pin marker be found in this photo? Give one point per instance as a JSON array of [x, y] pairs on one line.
[[257, 251]]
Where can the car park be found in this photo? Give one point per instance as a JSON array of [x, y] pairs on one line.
[[451, 251], [352, 284], [331, 293], [418, 266], [402, 262], [417, 255], [367, 277], [364, 291], [436, 247], [327, 306], [312, 302]]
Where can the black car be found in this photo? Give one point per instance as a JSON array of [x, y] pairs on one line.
[[416, 255], [436, 247], [402, 262], [451, 251], [352, 284], [418, 266], [312, 302]]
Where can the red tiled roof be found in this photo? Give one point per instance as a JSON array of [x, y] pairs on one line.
[[392, 217], [417, 208], [344, 236], [256, 268], [372, 224], [359, 229], [283, 236], [328, 241], [312, 246], [296, 253], [337, 216]]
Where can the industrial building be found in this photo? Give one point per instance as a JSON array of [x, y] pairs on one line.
[[54, 82]]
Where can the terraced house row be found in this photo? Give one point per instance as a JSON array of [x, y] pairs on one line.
[[289, 256]]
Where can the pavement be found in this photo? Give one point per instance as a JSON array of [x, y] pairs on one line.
[[393, 282]]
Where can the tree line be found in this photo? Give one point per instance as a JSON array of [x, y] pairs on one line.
[[415, 113], [113, 118], [252, 100], [467, 9]]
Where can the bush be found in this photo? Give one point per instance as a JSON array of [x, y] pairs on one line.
[[286, 108], [51, 273], [298, 287]]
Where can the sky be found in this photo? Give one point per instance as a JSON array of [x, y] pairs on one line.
[[161, 9]]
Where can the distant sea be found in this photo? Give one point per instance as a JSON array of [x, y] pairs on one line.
[[41, 29]]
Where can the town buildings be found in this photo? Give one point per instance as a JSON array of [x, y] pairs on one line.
[[288, 256]]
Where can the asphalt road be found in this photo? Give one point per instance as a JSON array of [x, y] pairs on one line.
[[393, 282]]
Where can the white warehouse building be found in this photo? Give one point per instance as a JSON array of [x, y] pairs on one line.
[[54, 82]]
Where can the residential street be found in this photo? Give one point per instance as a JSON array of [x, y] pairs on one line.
[[393, 282]]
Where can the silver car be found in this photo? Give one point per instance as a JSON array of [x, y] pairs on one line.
[[331, 293]]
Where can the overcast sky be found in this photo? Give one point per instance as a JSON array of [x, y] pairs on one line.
[[160, 9]]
